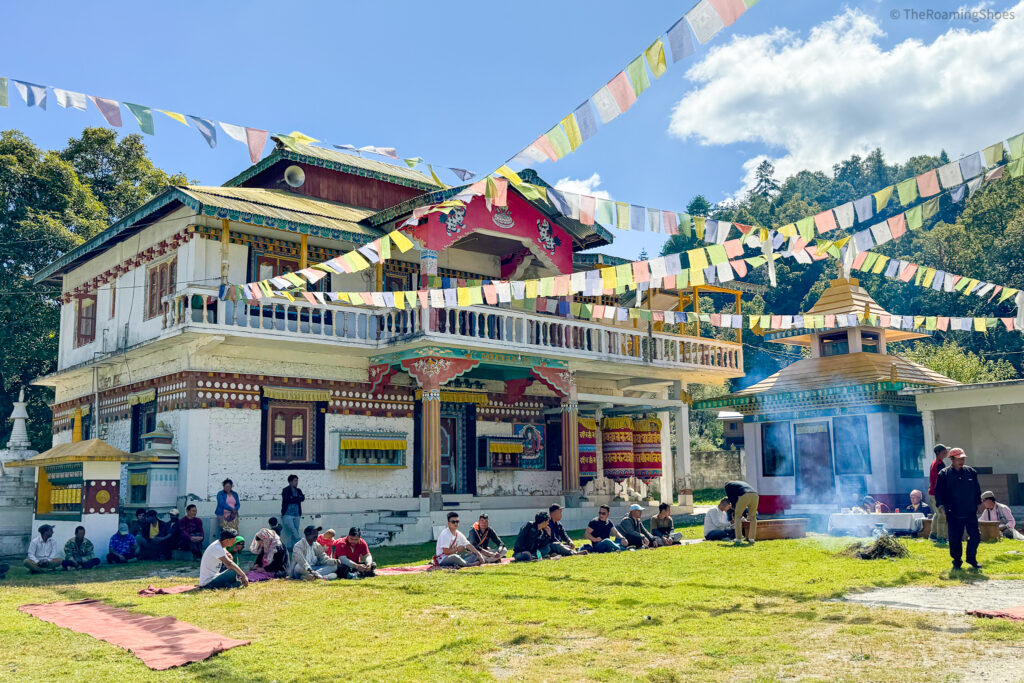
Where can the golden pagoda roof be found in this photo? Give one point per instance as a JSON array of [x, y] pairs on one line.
[[845, 296], [845, 370], [90, 450]]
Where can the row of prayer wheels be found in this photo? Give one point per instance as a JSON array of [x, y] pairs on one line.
[[631, 447]]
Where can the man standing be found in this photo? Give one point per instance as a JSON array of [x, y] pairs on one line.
[[939, 532], [533, 543], [633, 530], [453, 549], [190, 533], [42, 552], [717, 526], [210, 575], [291, 510], [742, 497], [309, 561], [560, 541], [481, 536], [78, 552], [353, 553], [123, 546], [958, 494], [600, 532]]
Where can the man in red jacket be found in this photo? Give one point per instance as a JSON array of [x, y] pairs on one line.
[[939, 532]]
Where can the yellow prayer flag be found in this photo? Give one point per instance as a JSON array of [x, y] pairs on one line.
[[788, 230], [356, 260], [476, 297], [507, 172], [546, 286], [699, 226], [180, 118], [696, 277], [698, 259], [531, 289], [400, 300], [572, 131], [608, 278], [301, 138], [918, 321], [882, 198], [880, 264], [979, 325], [656, 58], [624, 275], [463, 295], [403, 243], [929, 275], [286, 295], [621, 216], [436, 179]]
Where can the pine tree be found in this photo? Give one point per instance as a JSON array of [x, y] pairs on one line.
[[766, 184]]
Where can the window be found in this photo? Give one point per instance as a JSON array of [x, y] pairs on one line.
[[160, 282], [869, 342], [853, 453], [85, 320], [911, 446], [776, 449], [835, 344], [143, 422], [293, 435]]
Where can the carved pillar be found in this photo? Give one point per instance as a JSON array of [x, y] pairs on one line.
[[599, 444], [667, 470], [570, 447]]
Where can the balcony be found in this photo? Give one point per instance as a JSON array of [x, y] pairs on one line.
[[607, 348]]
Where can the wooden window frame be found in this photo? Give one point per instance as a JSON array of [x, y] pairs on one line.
[[314, 438], [161, 281], [85, 333]]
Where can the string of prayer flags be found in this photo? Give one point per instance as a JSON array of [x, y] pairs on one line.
[[110, 109], [144, 116], [70, 100], [206, 129], [33, 93], [4, 101]]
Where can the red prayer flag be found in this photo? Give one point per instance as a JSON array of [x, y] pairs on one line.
[[729, 10], [622, 91]]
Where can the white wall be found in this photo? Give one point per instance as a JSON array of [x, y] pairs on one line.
[[513, 482]]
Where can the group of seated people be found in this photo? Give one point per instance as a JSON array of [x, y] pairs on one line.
[[545, 537]]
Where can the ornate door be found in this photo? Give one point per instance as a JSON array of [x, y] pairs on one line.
[[449, 455]]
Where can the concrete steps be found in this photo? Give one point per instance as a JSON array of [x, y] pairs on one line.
[[388, 527]]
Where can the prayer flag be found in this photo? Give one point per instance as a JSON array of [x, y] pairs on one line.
[[825, 221], [605, 212], [638, 218], [680, 39], [302, 138], [585, 120], [729, 10], [699, 224], [710, 230], [437, 181], [930, 208], [928, 184], [256, 139], [463, 174], [970, 165], [604, 102], [66, 98], [233, 131], [863, 240], [844, 215], [655, 55], [697, 259], [704, 21], [559, 141], [573, 200], [880, 232], [544, 145], [882, 197], [144, 115], [4, 100], [622, 90], [957, 194], [685, 224], [864, 208], [1016, 144], [717, 254], [110, 109], [572, 132], [806, 228], [205, 127], [587, 207], [180, 118], [907, 191], [897, 225], [558, 200], [33, 94], [621, 216], [914, 220], [654, 220], [668, 220], [638, 75], [949, 175], [993, 154]]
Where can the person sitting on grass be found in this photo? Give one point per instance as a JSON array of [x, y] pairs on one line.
[[453, 549], [190, 533], [917, 504], [123, 547], [309, 561], [216, 554], [561, 544], [271, 559], [633, 531], [139, 522], [533, 542], [42, 552], [600, 532], [994, 511], [153, 538], [663, 528], [329, 541], [353, 553], [717, 526], [78, 552], [482, 536], [238, 546]]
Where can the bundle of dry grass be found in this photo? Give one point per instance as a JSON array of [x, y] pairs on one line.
[[881, 547]]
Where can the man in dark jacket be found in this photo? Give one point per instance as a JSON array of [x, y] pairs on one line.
[[958, 494], [291, 511], [632, 529], [154, 538], [532, 540]]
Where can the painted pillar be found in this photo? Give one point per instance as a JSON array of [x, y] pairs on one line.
[[682, 455], [225, 241], [667, 476], [430, 440], [598, 445], [928, 422], [428, 267], [570, 449]]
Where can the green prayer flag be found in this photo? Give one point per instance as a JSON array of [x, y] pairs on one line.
[[531, 192], [919, 275], [144, 115], [1016, 167], [3, 92], [605, 212], [869, 261], [699, 225], [685, 226], [756, 261], [634, 313], [576, 309], [930, 208], [806, 228], [960, 284], [931, 323], [559, 140], [622, 216], [750, 3], [717, 255], [645, 315], [1007, 293], [412, 162], [994, 154], [1016, 144], [882, 198], [683, 278], [907, 190], [914, 218], [637, 73], [587, 312]]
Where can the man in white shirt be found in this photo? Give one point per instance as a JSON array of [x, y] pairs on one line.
[[210, 575], [453, 548], [716, 522], [309, 560], [43, 555]]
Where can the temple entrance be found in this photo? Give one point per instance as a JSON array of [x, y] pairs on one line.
[[815, 480], [450, 464]]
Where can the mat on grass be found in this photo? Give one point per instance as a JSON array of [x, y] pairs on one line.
[[160, 642], [151, 590], [1011, 613], [417, 568]]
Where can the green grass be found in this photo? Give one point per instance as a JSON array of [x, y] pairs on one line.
[[707, 612], [708, 496]]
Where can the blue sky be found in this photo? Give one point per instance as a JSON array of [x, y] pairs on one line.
[[469, 84]]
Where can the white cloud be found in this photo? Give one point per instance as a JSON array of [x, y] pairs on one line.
[[583, 186], [816, 100]]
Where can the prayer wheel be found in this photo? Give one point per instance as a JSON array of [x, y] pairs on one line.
[[617, 447], [647, 448], [588, 449]]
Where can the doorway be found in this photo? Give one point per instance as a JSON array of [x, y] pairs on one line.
[[450, 461], [815, 479]]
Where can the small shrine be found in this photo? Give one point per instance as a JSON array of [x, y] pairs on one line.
[[153, 481], [833, 427]]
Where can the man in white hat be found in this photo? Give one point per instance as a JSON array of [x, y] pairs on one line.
[[633, 531]]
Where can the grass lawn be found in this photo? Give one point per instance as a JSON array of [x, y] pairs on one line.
[[707, 612], [708, 496]]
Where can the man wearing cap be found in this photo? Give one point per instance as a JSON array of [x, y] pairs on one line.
[[123, 547], [743, 498], [958, 493], [43, 555], [939, 520], [633, 530], [215, 555], [994, 511], [353, 553], [309, 561], [481, 536]]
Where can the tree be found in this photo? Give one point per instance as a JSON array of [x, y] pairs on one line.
[[966, 367], [765, 185], [47, 208], [698, 206], [705, 428]]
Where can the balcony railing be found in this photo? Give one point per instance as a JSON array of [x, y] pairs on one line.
[[495, 329]]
